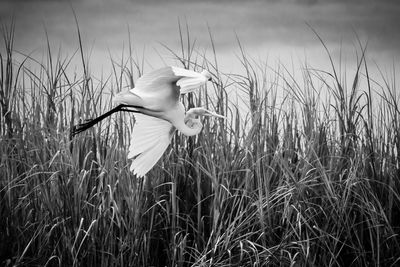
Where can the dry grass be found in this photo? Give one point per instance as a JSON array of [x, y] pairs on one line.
[[303, 173]]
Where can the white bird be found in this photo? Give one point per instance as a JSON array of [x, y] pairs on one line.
[[156, 97]]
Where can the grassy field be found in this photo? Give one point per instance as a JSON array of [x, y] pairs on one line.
[[304, 172]]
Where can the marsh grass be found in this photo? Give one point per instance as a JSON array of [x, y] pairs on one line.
[[304, 172]]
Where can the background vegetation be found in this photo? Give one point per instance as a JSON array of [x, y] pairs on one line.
[[305, 171]]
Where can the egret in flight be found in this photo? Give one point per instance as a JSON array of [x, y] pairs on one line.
[[155, 100]]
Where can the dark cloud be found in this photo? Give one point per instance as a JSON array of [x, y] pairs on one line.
[[262, 25]]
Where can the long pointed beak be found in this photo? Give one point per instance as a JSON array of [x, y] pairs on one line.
[[213, 114]]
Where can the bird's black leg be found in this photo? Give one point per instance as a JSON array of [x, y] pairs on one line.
[[86, 125]]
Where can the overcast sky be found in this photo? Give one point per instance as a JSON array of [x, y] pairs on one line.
[[271, 29]]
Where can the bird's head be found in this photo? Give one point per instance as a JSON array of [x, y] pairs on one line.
[[207, 74], [192, 123], [199, 111]]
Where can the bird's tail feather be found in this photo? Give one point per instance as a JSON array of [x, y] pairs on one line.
[[127, 98]]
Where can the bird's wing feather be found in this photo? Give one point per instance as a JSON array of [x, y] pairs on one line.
[[189, 84], [143, 163], [150, 81], [157, 80], [150, 138], [180, 72], [189, 81]]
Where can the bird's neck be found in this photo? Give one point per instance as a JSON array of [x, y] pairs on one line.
[[188, 129]]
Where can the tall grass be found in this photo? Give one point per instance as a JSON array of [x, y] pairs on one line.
[[303, 173]]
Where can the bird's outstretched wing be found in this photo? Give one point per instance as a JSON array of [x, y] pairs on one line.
[[189, 84], [189, 80], [179, 79], [150, 138]]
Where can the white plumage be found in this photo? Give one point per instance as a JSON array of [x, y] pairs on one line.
[[157, 93], [150, 138]]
